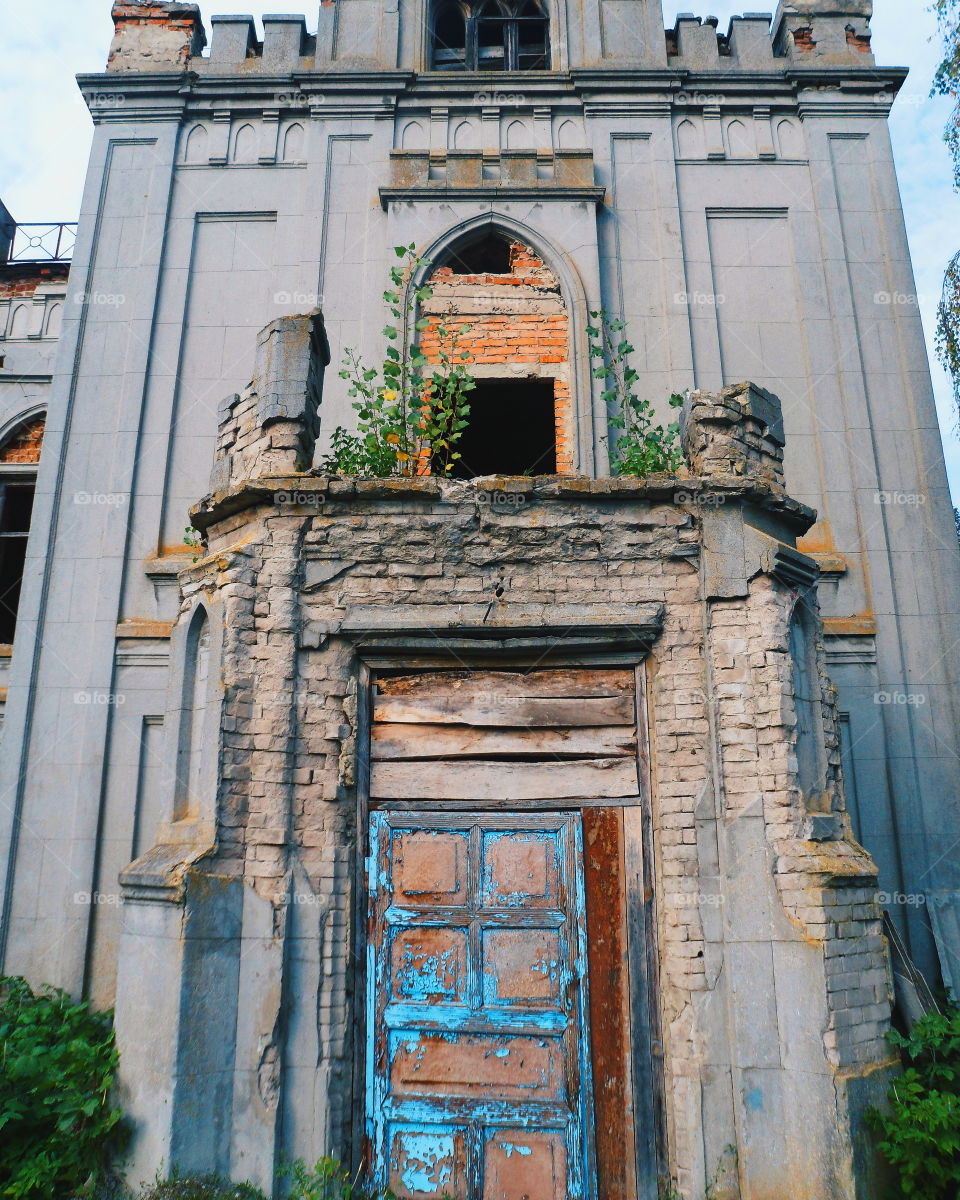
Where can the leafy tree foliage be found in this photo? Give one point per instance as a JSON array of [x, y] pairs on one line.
[[57, 1064], [642, 446], [947, 83], [920, 1129], [410, 417]]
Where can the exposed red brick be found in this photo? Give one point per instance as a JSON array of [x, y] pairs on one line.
[[499, 339], [803, 39], [17, 280], [859, 41], [25, 443]]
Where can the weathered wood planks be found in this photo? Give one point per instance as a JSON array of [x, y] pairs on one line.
[[504, 736], [515, 711], [399, 741], [494, 780]]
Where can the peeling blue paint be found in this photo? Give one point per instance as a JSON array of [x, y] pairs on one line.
[[427, 1165], [509, 1148], [431, 1110]]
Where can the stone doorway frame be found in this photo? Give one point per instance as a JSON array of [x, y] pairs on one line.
[[500, 649]]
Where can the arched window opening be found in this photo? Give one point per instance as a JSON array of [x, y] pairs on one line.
[[19, 456], [193, 718], [811, 756], [449, 38], [508, 309], [490, 35]]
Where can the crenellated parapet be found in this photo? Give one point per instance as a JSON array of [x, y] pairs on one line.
[[803, 32], [154, 35]]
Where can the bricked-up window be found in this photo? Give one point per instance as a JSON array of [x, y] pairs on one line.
[[490, 35], [19, 455], [509, 309]]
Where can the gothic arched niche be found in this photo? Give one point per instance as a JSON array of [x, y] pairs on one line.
[[19, 322], [190, 749], [689, 142], [53, 320], [413, 136], [465, 136], [195, 151], [245, 145], [293, 143], [489, 35], [740, 141], [790, 139]]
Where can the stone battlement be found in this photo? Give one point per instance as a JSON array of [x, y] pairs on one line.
[[160, 35]]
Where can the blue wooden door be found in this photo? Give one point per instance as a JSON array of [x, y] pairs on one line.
[[478, 1076]]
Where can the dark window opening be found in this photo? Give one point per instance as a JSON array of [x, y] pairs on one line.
[[511, 430], [16, 508], [449, 38], [490, 35], [489, 256]]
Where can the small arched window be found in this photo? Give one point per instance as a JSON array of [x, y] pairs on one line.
[[490, 35]]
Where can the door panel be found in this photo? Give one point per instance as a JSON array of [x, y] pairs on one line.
[[478, 1074]]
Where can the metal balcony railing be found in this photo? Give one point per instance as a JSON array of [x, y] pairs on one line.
[[38, 241]]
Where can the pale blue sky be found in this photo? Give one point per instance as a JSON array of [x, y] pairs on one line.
[[47, 129]]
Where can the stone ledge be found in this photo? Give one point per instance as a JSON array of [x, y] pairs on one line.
[[310, 491]]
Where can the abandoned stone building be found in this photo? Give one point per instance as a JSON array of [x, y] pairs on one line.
[[526, 833]]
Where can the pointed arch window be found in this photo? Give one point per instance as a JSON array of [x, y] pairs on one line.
[[490, 35]]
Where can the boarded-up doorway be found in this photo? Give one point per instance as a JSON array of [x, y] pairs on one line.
[[506, 966]]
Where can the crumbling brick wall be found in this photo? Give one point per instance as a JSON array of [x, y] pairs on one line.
[[765, 934], [152, 35]]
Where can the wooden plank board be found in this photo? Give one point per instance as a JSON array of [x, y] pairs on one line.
[[609, 1001], [472, 780], [516, 712], [400, 741], [555, 682]]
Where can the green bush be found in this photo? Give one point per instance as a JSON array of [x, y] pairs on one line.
[[920, 1130], [57, 1064], [200, 1187]]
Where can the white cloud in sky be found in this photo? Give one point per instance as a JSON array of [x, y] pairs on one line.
[[47, 129]]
